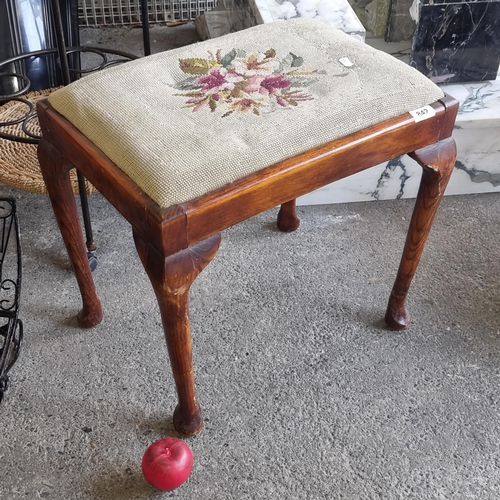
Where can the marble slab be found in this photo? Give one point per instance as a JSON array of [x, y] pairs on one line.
[[234, 15], [336, 13], [477, 170], [457, 41], [374, 14], [400, 26]]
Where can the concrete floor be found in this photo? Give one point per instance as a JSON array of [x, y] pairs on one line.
[[305, 393]]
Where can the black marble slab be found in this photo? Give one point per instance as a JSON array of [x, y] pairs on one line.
[[457, 42]]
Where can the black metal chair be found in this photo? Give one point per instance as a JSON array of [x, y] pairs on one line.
[[39, 59], [34, 56]]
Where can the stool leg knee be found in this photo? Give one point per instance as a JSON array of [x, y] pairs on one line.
[[55, 169], [287, 217], [171, 278], [437, 161]]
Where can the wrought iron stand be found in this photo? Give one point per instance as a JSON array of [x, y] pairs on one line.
[[11, 327], [22, 73], [36, 66]]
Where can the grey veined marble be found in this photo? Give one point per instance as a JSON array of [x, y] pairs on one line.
[[235, 15], [477, 170]]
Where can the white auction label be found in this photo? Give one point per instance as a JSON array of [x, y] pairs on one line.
[[346, 62], [423, 113]]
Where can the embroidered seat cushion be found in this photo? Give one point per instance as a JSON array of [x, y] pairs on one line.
[[187, 121]]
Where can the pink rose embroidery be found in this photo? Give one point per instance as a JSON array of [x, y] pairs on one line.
[[241, 82], [218, 79]]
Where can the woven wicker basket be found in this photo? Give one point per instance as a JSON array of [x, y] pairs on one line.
[[19, 166]]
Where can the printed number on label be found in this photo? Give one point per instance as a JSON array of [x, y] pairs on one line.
[[423, 113]]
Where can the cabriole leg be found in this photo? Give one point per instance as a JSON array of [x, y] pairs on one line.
[[55, 169], [171, 278], [287, 217], [437, 161]]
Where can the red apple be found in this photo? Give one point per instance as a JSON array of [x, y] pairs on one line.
[[167, 463]]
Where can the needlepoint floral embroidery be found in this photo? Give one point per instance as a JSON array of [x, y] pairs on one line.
[[245, 82]]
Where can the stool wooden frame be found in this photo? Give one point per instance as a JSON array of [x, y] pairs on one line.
[[176, 243]]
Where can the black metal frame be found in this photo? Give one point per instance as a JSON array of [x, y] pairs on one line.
[[11, 331], [31, 111], [145, 27], [68, 63]]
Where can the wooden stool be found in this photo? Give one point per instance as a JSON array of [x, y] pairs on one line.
[[189, 142]]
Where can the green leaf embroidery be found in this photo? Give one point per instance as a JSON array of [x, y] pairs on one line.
[[187, 84], [228, 58], [297, 61], [302, 82], [197, 66], [286, 64], [197, 93]]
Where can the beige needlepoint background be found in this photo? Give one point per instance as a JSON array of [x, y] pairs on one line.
[[185, 150]]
